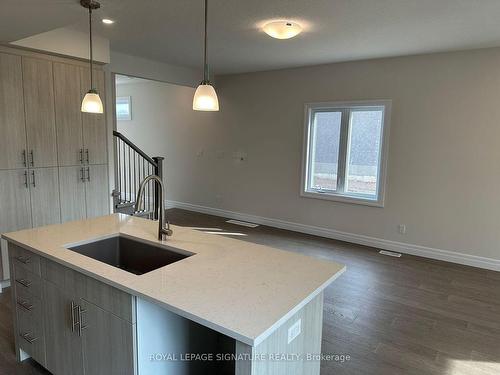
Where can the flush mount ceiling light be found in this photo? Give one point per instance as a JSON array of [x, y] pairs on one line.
[[92, 102], [282, 29], [205, 97], [108, 21]]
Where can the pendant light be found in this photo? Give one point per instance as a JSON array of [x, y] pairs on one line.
[[205, 97], [91, 102]]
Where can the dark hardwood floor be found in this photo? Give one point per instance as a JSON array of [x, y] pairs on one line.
[[405, 315]]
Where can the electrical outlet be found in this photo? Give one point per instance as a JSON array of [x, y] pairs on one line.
[[240, 156], [294, 330], [402, 229]]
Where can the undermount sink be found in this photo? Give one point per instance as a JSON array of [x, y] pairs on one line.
[[129, 254]]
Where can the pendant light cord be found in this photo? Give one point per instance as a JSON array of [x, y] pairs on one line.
[[91, 53], [205, 65]]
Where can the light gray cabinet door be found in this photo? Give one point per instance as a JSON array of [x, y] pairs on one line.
[[94, 125], [44, 189], [68, 98], [72, 193], [15, 209], [12, 124], [108, 342], [97, 192], [40, 116], [63, 346]]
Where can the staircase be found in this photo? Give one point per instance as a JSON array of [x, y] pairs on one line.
[[131, 167]]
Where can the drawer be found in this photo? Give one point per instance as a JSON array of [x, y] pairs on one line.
[[26, 281], [31, 337], [79, 285], [28, 302], [24, 258]]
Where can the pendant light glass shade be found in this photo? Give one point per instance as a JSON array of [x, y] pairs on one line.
[[92, 103], [205, 98]]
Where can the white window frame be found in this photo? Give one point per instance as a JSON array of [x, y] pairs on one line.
[[124, 100], [345, 108]]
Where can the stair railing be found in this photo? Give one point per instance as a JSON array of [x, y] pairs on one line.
[[132, 166]]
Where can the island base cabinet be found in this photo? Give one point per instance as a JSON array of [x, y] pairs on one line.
[[297, 356], [63, 346], [108, 342], [57, 325], [74, 324], [82, 338]]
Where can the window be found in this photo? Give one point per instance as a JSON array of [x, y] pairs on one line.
[[345, 151], [123, 108]]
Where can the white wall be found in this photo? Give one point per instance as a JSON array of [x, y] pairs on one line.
[[143, 68], [150, 69], [68, 42], [164, 124], [443, 176]]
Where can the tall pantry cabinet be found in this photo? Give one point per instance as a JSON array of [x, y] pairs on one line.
[[53, 157]]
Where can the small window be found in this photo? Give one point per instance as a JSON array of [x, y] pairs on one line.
[[123, 108], [345, 151]]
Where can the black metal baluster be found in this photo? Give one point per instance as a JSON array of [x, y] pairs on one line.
[[143, 177], [117, 145], [124, 175], [129, 175], [150, 171], [136, 182], [120, 146]]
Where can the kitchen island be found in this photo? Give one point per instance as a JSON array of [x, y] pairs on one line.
[[233, 306]]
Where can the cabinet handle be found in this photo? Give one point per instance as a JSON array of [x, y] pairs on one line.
[[87, 154], [32, 158], [24, 282], [81, 156], [24, 260], [29, 338], [88, 174], [25, 305], [33, 176], [81, 326], [26, 179], [73, 321], [82, 174], [25, 160]]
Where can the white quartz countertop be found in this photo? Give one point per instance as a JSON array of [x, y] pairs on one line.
[[237, 288]]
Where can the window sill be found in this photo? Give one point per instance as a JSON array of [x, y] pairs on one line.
[[343, 198]]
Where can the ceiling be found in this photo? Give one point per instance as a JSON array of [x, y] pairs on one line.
[[335, 30], [121, 79]]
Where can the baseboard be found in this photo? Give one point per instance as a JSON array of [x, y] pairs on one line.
[[379, 243]]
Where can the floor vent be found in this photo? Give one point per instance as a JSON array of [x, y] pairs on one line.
[[390, 253], [242, 223]]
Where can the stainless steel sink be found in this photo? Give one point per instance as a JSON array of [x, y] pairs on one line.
[[129, 254]]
